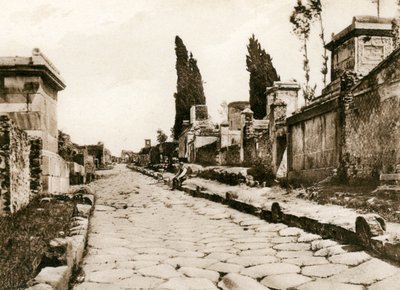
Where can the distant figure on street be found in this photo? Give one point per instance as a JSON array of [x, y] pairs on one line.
[[179, 177]]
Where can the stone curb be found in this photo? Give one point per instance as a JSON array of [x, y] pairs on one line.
[[58, 278], [379, 243]]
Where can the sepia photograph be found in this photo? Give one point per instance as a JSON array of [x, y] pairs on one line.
[[200, 144]]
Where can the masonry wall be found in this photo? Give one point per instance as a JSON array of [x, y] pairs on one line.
[[206, 155], [35, 160], [14, 167], [230, 155], [313, 143], [257, 149], [372, 124]]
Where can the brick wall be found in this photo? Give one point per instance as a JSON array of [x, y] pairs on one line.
[[14, 167]]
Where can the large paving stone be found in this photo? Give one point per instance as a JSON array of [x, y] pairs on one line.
[[57, 277], [225, 267], [239, 282], [258, 252], [391, 283], [329, 285], [293, 247], [108, 276], [96, 286], [351, 259], [323, 271], [366, 273], [220, 256], [291, 232], [200, 273], [320, 244], [330, 251], [188, 283], [284, 281], [293, 254], [190, 262], [281, 240], [101, 241], [307, 261], [307, 237], [247, 261], [270, 269], [251, 246], [139, 282], [160, 271]]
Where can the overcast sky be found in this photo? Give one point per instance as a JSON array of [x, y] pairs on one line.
[[118, 58]]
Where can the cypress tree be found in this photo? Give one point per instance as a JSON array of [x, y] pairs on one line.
[[189, 89], [262, 75]]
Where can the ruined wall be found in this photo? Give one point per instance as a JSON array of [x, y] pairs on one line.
[[35, 159], [230, 155], [372, 124], [313, 142], [206, 155], [14, 167], [257, 149]]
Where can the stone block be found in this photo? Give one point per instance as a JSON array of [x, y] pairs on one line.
[[57, 277]]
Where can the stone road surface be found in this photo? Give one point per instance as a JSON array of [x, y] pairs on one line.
[[144, 236]]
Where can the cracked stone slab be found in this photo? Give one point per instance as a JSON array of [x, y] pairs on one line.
[[284, 281], [239, 282], [188, 283], [366, 273], [391, 283], [270, 269]]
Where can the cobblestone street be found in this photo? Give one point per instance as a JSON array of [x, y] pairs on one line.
[[143, 235]]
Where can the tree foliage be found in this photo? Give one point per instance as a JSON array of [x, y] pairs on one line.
[[189, 89], [301, 21], [262, 75], [161, 136], [315, 7]]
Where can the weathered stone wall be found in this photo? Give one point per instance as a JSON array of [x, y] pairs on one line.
[[372, 124], [35, 159], [313, 142], [14, 167], [230, 155], [206, 155], [257, 149]]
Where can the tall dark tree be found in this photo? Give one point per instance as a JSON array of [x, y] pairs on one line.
[[262, 75], [189, 89]]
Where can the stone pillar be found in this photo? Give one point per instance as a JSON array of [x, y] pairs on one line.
[[246, 127]]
